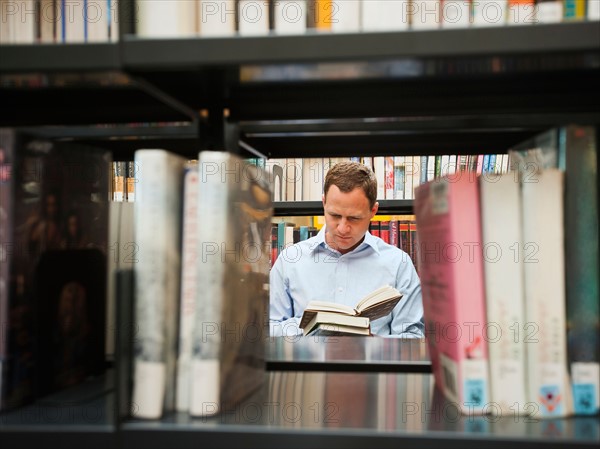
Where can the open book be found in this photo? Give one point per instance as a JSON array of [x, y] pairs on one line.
[[376, 304]]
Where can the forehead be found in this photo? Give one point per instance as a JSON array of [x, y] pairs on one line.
[[352, 203]]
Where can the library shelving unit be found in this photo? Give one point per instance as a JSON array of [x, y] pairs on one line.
[[461, 91]]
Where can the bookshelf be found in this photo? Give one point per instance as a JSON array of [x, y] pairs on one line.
[[418, 92]]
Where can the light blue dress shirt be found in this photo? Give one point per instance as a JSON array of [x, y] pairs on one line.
[[312, 270]]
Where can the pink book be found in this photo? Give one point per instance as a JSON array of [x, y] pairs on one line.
[[451, 270], [479, 164]]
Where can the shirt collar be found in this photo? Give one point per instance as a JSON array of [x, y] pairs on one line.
[[369, 240]]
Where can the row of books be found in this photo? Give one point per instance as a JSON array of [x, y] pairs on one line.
[[397, 230], [202, 232], [252, 17], [123, 181], [77, 21], [59, 21], [509, 275], [297, 179]]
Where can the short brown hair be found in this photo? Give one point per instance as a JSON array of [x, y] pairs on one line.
[[349, 175]]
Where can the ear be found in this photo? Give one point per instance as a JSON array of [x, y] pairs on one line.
[[323, 199], [374, 209]]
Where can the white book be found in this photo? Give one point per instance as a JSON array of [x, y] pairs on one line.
[[489, 13], [452, 164], [345, 16], [411, 164], [593, 10], [113, 32], [312, 179], [384, 15], [73, 21], [230, 328], [23, 21], [298, 172], [189, 285], [399, 177], [276, 169], [216, 18], [430, 168], [166, 18], [157, 211], [6, 25], [290, 16], [425, 14], [98, 20], [456, 13], [290, 176], [445, 164], [549, 11], [544, 262], [379, 169], [505, 303], [48, 15], [253, 17]]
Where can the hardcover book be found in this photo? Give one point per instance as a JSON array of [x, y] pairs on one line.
[[70, 309], [545, 302], [157, 228], [573, 150], [334, 322], [231, 318], [376, 304], [53, 197], [505, 301], [189, 284], [581, 257], [451, 270]]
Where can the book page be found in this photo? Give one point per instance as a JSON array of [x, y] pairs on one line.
[[379, 295], [330, 307]]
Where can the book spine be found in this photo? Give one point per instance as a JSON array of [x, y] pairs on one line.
[[157, 280], [7, 193], [384, 15], [213, 198], [544, 262], [389, 177], [253, 17], [521, 12], [489, 13], [130, 181], [189, 286], [345, 17], [581, 252], [290, 16], [448, 221], [217, 18], [549, 11], [505, 304]]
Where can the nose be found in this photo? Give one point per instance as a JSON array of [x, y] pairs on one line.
[[344, 226]]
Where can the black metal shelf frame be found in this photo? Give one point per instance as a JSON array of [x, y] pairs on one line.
[[419, 92]]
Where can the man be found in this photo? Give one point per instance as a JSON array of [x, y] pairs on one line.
[[344, 262]]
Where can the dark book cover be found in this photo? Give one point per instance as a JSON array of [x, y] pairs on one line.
[[374, 228], [69, 318], [54, 197]]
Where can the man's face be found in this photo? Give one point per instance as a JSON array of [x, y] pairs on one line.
[[347, 217]]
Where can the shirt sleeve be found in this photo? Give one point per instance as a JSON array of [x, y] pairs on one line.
[[282, 322], [408, 321]]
